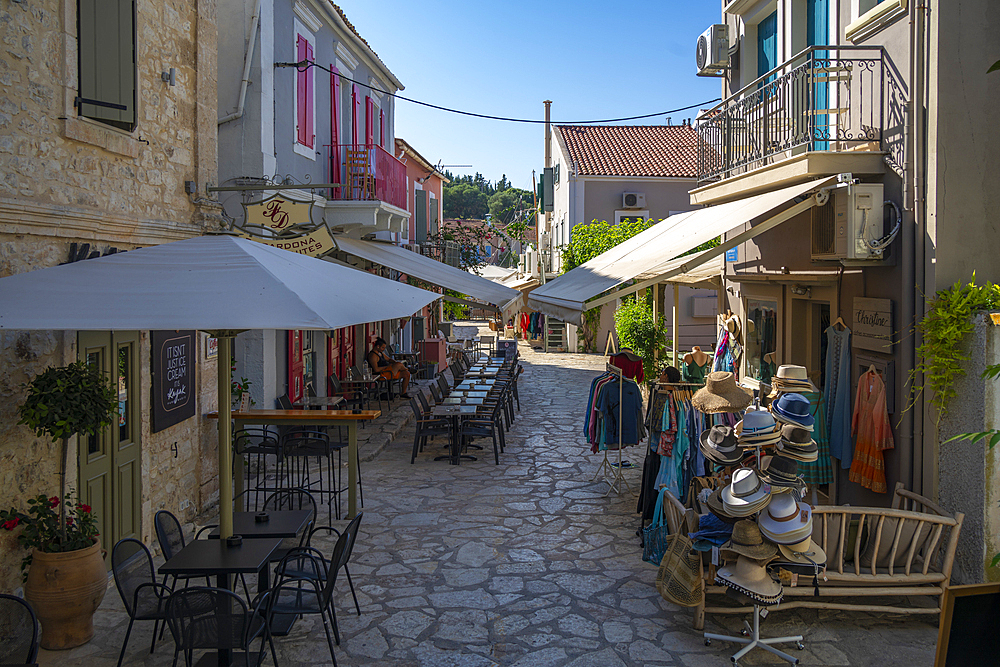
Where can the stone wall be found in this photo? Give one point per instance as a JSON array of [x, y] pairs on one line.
[[66, 179]]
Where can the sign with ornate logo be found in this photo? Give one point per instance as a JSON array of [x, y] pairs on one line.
[[315, 244], [291, 224], [278, 213]]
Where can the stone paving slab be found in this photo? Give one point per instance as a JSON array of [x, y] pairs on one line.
[[530, 564]]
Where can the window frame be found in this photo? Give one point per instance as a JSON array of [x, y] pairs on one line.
[[78, 105]]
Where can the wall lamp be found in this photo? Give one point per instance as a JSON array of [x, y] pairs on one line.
[[169, 76]]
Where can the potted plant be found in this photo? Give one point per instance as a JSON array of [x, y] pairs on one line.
[[66, 578]]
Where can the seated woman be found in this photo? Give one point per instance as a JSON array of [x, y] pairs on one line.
[[384, 365]]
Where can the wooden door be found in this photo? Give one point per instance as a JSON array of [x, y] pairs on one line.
[[109, 475], [296, 368]]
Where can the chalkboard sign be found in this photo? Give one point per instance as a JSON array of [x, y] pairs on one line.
[[173, 360], [969, 633]]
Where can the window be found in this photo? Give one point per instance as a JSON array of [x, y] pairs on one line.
[[335, 161], [621, 216], [305, 127], [107, 70]]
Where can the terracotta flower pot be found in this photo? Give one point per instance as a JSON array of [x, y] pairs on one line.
[[66, 589]]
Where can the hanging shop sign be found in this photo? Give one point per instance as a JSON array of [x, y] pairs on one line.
[[871, 324], [285, 223], [173, 360]]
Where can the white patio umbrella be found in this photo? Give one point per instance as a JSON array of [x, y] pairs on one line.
[[219, 284]]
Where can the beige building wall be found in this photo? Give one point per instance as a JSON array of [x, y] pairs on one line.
[[66, 179]]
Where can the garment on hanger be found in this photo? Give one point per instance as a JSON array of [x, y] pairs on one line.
[[837, 391], [620, 405], [819, 471], [632, 369], [872, 432]]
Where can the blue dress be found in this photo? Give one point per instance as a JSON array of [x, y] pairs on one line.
[[837, 391]]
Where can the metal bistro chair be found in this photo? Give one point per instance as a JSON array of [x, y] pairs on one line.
[[144, 598], [257, 445], [18, 631], [292, 499], [307, 464], [485, 426], [171, 539], [436, 392], [425, 427], [205, 618]]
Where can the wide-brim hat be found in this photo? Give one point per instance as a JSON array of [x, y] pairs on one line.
[[746, 494], [721, 393], [786, 521], [792, 452], [779, 471], [678, 580], [733, 325], [750, 578], [720, 444], [797, 443], [718, 508], [793, 409], [805, 552], [747, 540], [792, 378]]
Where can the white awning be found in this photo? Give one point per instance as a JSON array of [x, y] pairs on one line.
[[654, 255], [432, 271]]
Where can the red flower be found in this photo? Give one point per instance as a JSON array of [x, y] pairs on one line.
[[54, 501], [84, 508], [11, 523], [69, 521]]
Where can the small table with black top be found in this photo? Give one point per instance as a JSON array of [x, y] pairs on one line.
[[453, 412]]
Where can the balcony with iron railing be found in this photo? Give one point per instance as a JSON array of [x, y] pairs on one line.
[[832, 99], [367, 172]]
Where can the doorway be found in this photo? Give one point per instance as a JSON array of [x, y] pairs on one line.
[[109, 476]]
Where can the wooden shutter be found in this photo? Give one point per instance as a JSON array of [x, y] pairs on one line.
[[335, 131], [296, 386], [355, 103], [383, 140], [369, 121], [767, 45], [420, 214], [302, 130], [106, 43], [432, 216]]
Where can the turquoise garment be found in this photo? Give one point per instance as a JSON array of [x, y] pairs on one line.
[[837, 392], [693, 372]]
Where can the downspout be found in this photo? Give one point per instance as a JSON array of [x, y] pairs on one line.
[[247, 60], [920, 250]]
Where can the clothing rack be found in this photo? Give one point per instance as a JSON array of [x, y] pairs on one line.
[[613, 473]]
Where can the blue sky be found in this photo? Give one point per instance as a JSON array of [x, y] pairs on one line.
[[594, 60]]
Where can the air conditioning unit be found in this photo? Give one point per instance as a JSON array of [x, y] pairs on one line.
[[633, 200], [713, 50], [852, 216]]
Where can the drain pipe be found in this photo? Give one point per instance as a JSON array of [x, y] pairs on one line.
[[247, 60], [920, 255]]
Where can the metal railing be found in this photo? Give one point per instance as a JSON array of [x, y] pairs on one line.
[[367, 172], [825, 98]]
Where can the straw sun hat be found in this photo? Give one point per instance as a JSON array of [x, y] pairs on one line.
[[750, 578], [721, 394], [748, 541]]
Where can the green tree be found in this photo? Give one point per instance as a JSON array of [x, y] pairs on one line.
[[465, 201], [588, 241], [637, 329]]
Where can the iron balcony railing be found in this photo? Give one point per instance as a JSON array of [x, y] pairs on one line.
[[826, 98], [367, 172]]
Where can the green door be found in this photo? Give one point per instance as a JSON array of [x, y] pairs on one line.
[[109, 463]]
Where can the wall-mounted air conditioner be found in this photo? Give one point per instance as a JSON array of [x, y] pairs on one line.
[[712, 53], [633, 200], [848, 223]]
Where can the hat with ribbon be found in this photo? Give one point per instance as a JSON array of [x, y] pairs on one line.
[[678, 579], [792, 379], [797, 443], [750, 578], [746, 540], [721, 393], [786, 521], [718, 508], [719, 444], [757, 429], [746, 494], [793, 409], [779, 471], [805, 552]]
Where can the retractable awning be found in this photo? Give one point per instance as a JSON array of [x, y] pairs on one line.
[[654, 255], [432, 271]]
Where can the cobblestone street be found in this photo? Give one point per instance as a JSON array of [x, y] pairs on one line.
[[527, 563]]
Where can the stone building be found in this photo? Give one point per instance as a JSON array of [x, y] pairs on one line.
[[107, 141]]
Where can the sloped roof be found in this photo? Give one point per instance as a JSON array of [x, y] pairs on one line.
[[631, 150], [350, 26]]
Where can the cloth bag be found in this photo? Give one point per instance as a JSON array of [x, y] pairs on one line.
[[654, 536], [679, 579]]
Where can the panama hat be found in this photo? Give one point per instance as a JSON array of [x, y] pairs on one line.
[[721, 394], [792, 379], [746, 494], [719, 444], [786, 521], [797, 443], [747, 541], [793, 409], [757, 428], [750, 578], [678, 579], [779, 471], [733, 325], [804, 552]]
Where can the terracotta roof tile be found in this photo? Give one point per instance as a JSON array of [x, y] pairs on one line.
[[632, 150]]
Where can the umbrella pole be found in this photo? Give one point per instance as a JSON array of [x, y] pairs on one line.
[[225, 438]]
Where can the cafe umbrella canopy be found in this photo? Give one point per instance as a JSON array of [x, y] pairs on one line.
[[220, 284]]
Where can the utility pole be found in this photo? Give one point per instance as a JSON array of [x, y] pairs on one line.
[[548, 164]]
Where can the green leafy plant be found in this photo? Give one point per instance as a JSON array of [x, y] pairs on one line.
[[944, 328], [638, 330], [63, 401], [587, 333], [589, 241], [237, 387], [73, 527]]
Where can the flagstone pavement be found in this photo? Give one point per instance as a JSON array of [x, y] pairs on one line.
[[530, 564]]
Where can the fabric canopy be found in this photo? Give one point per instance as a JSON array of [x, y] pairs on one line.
[[424, 268], [654, 255], [208, 283]]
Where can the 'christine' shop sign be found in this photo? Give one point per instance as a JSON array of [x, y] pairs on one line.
[[871, 324], [173, 358]]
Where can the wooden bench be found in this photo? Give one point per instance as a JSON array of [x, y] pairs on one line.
[[905, 550]]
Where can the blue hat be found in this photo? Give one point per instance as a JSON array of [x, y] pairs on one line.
[[794, 409]]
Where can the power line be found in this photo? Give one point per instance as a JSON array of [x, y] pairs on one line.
[[303, 65]]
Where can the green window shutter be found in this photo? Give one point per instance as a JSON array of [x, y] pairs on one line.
[[106, 41], [432, 216], [420, 203], [541, 191], [548, 201]]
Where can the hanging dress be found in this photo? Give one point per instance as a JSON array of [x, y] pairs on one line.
[[873, 433], [837, 393]]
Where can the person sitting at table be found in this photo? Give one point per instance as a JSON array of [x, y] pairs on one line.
[[384, 365]]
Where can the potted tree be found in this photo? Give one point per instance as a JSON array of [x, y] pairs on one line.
[[65, 576]]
